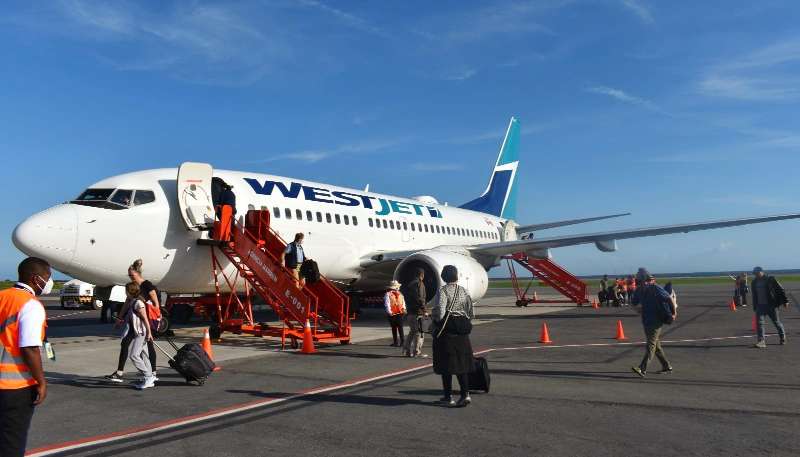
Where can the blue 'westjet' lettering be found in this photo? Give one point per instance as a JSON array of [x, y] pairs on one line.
[[316, 194]]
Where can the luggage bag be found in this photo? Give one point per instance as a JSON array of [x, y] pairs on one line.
[[479, 377], [190, 361]]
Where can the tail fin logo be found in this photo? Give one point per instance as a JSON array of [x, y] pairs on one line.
[[500, 197]]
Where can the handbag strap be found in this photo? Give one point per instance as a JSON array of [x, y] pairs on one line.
[[450, 304]]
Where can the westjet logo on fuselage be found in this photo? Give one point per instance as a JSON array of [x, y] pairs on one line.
[[383, 206]]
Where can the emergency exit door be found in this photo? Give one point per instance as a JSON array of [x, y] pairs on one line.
[[194, 195]]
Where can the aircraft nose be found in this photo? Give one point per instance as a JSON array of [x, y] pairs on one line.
[[51, 235]]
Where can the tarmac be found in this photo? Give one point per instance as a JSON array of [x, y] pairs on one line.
[[574, 397]]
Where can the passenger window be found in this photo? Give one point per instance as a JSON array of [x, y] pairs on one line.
[[319, 216], [419, 227], [369, 221], [448, 230], [309, 216], [288, 213], [391, 225], [328, 217], [412, 226], [355, 221], [426, 227], [276, 212], [299, 214], [405, 226], [122, 197], [346, 219], [385, 224], [338, 219], [143, 197]]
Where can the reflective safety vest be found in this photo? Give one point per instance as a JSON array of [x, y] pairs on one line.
[[14, 372], [397, 303]]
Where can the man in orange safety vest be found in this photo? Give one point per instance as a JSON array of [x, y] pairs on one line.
[[22, 327]]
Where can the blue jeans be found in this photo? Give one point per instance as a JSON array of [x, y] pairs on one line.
[[773, 315]]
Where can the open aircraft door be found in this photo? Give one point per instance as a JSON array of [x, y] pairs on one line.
[[194, 195]]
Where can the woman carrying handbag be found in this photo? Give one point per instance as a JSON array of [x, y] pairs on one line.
[[452, 350]]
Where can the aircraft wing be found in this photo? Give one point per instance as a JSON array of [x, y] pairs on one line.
[[549, 225], [602, 239]]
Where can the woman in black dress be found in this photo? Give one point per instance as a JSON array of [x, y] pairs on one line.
[[452, 350]]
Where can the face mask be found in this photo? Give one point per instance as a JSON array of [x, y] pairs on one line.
[[48, 286]]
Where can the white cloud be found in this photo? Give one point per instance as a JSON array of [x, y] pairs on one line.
[[317, 155], [639, 10], [432, 167], [348, 19], [767, 74], [213, 44], [461, 75], [620, 95]]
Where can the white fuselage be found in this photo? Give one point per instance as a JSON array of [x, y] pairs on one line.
[[343, 228]]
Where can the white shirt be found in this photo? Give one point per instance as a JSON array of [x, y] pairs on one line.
[[31, 319]]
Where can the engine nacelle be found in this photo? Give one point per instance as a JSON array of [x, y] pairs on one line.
[[471, 274]]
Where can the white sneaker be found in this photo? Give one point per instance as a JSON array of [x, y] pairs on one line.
[[148, 382]]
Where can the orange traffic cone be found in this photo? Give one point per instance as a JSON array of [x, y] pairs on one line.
[[208, 350], [595, 304], [308, 340], [545, 336], [732, 305], [620, 332]]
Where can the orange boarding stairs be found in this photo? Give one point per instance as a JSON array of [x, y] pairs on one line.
[[256, 252], [551, 274]]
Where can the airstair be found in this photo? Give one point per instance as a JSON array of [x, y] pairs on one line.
[[549, 273], [255, 250]]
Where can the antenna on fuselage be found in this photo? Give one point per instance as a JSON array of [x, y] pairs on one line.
[[366, 189]]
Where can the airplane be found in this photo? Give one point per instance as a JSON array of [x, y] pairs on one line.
[[360, 239]]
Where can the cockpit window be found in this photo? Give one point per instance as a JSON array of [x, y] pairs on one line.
[[94, 195], [122, 197], [142, 197], [114, 198]]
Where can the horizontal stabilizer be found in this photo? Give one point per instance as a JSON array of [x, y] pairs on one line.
[[548, 225]]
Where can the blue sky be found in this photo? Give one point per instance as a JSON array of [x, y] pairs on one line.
[[675, 111]]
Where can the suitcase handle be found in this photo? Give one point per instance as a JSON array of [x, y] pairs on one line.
[[162, 350]]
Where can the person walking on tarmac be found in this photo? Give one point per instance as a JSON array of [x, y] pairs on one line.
[[414, 295], [22, 331], [293, 257], [452, 349], [395, 305], [139, 326], [150, 294], [603, 295], [657, 309], [768, 295], [740, 290]]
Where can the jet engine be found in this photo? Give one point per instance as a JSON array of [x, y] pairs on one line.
[[471, 274]]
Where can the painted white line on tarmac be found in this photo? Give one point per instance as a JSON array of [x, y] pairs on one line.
[[213, 414], [237, 409], [619, 343]]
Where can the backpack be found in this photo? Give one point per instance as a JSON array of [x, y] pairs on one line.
[[310, 271]]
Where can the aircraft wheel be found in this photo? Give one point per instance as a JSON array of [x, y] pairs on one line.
[[163, 326]]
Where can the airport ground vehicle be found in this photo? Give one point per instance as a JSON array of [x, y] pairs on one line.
[[78, 294]]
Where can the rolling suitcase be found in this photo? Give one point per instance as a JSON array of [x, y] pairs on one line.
[[479, 377], [190, 361]]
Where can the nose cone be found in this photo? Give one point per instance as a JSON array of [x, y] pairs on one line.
[[50, 235]]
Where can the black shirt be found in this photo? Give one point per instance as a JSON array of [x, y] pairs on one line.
[[145, 288]]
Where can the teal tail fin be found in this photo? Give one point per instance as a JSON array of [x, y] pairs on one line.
[[500, 197]]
